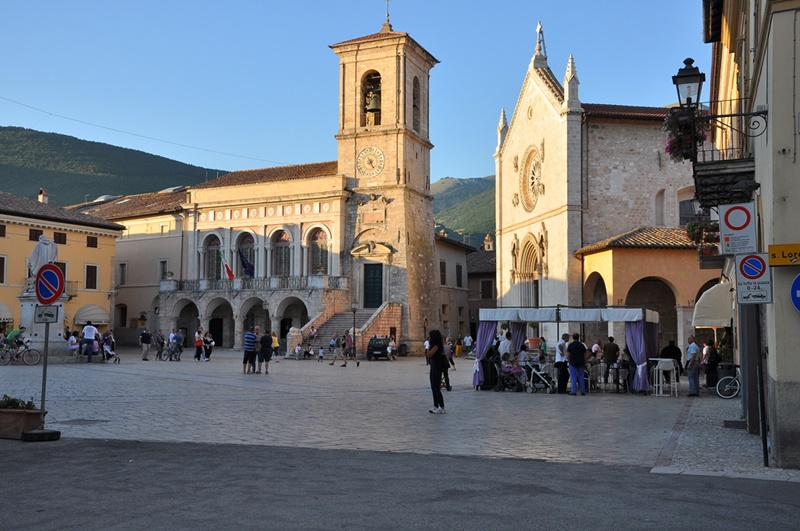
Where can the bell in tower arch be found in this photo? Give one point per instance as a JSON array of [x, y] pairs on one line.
[[374, 102]]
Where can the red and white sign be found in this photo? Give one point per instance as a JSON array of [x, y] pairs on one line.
[[49, 284], [737, 228], [753, 279]]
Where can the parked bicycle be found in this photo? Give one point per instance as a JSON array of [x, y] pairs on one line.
[[30, 356], [729, 386]]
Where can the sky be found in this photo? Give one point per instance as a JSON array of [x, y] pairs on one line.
[[242, 84]]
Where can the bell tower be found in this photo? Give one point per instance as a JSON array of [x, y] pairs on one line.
[[384, 152]]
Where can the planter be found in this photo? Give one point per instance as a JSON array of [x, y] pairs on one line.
[[15, 421]]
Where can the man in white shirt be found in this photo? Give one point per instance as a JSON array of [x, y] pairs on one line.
[[561, 364], [468, 343], [88, 335]]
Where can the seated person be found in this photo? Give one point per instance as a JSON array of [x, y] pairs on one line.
[[74, 342]]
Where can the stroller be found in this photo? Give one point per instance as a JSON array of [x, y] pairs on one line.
[[509, 377], [109, 355], [540, 378]]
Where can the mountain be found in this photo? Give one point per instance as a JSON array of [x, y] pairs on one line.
[[74, 170], [464, 208]]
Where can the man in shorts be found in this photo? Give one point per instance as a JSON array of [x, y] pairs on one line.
[[337, 348]]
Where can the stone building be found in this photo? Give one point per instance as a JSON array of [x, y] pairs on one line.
[[302, 243], [572, 176]]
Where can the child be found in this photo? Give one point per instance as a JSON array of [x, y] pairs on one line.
[[321, 354], [298, 351]]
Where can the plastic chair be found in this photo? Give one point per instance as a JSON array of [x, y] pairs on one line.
[[660, 383]]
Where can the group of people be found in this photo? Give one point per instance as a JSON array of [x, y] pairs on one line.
[[344, 349], [90, 342], [259, 347]]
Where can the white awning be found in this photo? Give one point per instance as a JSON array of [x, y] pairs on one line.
[[715, 307], [568, 315], [5, 314], [93, 313]]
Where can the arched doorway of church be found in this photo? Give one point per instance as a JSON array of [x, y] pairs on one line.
[[528, 275], [188, 320], [655, 294]]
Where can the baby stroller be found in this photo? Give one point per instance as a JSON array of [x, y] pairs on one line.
[[109, 355], [509, 377], [539, 378]]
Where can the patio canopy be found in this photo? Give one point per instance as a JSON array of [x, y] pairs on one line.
[[715, 307], [553, 315]]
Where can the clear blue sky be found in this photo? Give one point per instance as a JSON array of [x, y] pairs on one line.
[[254, 82]]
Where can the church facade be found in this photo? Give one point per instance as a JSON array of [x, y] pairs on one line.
[[573, 180], [290, 247]]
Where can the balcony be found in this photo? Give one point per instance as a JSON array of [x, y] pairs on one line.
[[256, 284]]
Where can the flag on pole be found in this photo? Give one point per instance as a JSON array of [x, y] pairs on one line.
[[225, 267], [247, 266]]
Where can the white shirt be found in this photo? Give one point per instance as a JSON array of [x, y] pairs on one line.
[[427, 345], [89, 331], [468, 341], [561, 350]]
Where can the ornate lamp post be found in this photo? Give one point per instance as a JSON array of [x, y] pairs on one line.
[[354, 308], [689, 83]]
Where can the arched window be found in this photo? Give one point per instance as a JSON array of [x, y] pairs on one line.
[[281, 254], [660, 208], [371, 96], [415, 104], [318, 252], [247, 256], [213, 259]]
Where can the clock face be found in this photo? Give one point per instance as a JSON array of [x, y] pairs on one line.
[[530, 182], [370, 162]]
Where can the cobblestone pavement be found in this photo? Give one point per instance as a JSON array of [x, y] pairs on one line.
[[384, 406]]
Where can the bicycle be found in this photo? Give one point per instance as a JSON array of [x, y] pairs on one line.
[[30, 356], [729, 386]]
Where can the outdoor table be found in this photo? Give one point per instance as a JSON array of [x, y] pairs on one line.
[[614, 370]]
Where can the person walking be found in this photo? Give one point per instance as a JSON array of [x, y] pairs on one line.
[[437, 362], [693, 361], [577, 363], [264, 352], [561, 364], [249, 359], [145, 339], [337, 348], [276, 346], [208, 346], [161, 341], [198, 345]]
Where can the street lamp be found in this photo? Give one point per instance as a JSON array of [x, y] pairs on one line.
[[354, 308], [689, 83]]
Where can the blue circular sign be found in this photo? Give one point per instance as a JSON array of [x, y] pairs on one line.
[[795, 293], [49, 284], [753, 267]]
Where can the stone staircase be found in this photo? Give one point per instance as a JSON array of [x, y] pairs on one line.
[[338, 323]]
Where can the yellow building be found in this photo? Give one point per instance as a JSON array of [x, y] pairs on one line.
[[86, 253]]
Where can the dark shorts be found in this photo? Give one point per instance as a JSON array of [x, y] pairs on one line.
[[264, 356], [249, 356]]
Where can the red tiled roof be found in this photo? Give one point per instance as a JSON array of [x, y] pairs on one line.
[[481, 262], [278, 173], [30, 208], [131, 206], [627, 112], [643, 238]]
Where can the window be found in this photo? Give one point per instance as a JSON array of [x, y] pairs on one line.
[[281, 254], [371, 96], [213, 259], [246, 253], [688, 210], [487, 289], [91, 241], [318, 247], [443, 273], [63, 267], [60, 237], [91, 277], [2, 269], [163, 270], [33, 235], [415, 104], [122, 278], [459, 282], [2, 231]]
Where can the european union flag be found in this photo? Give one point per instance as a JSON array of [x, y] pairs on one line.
[[247, 266]]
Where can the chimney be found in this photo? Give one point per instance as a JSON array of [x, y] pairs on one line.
[[43, 196]]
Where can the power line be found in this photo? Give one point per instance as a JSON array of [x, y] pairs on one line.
[[138, 135]]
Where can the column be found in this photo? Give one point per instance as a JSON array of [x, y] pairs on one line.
[[238, 332], [685, 328]]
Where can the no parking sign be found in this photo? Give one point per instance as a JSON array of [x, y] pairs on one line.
[[753, 279]]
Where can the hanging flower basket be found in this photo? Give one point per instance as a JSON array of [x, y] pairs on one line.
[[684, 135], [703, 231]]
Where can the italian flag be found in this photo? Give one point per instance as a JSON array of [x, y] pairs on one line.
[[225, 266]]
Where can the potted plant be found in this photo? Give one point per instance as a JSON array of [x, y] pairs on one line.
[[703, 231], [684, 135], [18, 416]]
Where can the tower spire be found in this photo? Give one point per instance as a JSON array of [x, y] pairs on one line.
[[540, 52], [387, 26]]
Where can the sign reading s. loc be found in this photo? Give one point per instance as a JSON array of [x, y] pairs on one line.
[[784, 254], [737, 228], [753, 279]]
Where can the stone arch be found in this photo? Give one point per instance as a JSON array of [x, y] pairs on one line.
[[318, 244], [211, 262], [244, 241], [655, 293], [293, 313], [595, 291], [529, 271], [371, 98]]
